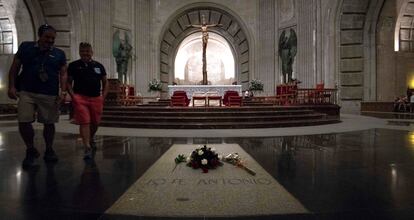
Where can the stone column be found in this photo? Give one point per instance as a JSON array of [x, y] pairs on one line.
[[266, 46], [102, 33], [306, 32], [142, 45]]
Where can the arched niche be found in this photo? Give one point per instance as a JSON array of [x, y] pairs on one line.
[[356, 55], [178, 28], [404, 34], [65, 17], [220, 61]]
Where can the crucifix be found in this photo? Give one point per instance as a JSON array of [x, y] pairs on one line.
[[204, 33]]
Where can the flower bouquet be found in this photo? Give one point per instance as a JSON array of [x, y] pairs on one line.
[[256, 85], [235, 159], [154, 85], [205, 158]]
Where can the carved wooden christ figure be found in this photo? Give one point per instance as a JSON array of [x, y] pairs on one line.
[[204, 33]]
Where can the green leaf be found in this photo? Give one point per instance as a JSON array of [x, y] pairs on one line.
[[180, 158]]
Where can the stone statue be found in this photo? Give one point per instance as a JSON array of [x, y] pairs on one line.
[[122, 52], [204, 32], [287, 53]]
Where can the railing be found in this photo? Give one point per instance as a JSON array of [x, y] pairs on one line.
[[301, 97], [317, 96]]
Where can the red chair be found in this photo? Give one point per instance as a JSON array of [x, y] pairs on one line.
[[317, 96], [235, 101], [320, 86], [286, 93], [281, 89], [131, 91], [227, 94], [319, 92], [179, 101], [292, 93]]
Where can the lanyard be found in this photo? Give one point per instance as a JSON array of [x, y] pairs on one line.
[[42, 71]]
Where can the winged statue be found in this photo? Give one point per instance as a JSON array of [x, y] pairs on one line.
[[287, 53], [122, 52]]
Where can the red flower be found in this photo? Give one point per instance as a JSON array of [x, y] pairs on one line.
[[194, 165], [197, 160]]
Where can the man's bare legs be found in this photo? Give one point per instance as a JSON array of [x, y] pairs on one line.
[[49, 136], [85, 133], [93, 129], [27, 133]]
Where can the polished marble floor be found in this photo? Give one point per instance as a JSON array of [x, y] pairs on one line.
[[352, 175]]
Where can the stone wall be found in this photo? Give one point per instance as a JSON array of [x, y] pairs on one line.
[[336, 39], [357, 25], [164, 12], [351, 56], [402, 74], [387, 78], [5, 62], [394, 68], [17, 15], [266, 48]]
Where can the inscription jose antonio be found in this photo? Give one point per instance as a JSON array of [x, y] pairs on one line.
[[223, 181]]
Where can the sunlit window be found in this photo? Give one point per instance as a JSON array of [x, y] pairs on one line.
[[189, 64]]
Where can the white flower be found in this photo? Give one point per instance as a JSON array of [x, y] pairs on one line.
[[204, 161], [155, 85], [256, 85], [213, 150], [200, 152], [188, 159]]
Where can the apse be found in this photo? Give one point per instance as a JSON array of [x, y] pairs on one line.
[[188, 65]]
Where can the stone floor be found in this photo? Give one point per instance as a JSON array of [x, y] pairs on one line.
[[361, 168]]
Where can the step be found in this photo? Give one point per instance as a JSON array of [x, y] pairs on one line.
[[205, 109], [203, 113], [219, 125], [8, 117], [156, 104], [257, 104], [219, 117], [234, 119]]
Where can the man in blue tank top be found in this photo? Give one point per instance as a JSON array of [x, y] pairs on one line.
[[43, 69]]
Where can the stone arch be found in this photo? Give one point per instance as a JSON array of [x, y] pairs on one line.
[[404, 28], [61, 15], [8, 33], [356, 25], [232, 29], [16, 19]]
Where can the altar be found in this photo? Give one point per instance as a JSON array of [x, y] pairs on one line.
[[190, 89]]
